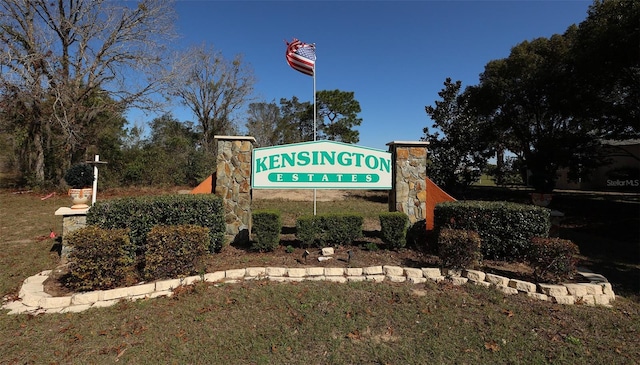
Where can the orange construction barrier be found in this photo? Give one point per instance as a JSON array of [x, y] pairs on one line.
[[435, 195], [205, 187]]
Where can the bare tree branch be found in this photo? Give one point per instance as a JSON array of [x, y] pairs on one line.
[[71, 60], [214, 88]]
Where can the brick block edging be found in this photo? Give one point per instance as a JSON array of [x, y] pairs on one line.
[[33, 299]]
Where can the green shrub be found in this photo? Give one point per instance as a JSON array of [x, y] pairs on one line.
[[329, 229], [338, 229], [308, 230], [371, 246], [79, 176], [459, 249], [140, 214], [393, 229], [100, 259], [266, 229], [552, 259], [418, 237], [505, 228], [175, 251]]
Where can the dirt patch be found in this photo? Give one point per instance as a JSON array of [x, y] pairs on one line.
[[344, 256], [232, 257], [301, 194]]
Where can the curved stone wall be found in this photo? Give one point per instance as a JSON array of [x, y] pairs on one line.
[[33, 299]]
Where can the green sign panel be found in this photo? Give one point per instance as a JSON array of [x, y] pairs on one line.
[[321, 165]]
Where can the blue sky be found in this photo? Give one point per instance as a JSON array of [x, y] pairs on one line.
[[395, 55]]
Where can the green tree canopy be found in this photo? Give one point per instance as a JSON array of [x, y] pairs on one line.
[[296, 121], [170, 155], [338, 115], [524, 96], [605, 58], [554, 100], [458, 147], [292, 121]]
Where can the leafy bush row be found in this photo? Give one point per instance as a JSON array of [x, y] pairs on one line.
[[552, 259], [504, 228], [141, 214], [327, 229], [102, 259], [509, 231]]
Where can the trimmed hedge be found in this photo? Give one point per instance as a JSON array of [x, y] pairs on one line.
[[552, 259], [100, 259], [505, 228], [266, 227], [393, 229], [459, 249], [329, 229], [308, 230], [175, 251], [140, 214]]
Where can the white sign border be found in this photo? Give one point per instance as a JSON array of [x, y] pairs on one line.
[[385, 182]]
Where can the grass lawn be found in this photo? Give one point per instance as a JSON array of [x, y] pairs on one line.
[[328, 323]]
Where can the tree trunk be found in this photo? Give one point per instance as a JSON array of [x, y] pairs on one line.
[[500, 166], [38, 159]]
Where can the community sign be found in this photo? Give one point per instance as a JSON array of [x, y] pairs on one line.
[[321, 165]]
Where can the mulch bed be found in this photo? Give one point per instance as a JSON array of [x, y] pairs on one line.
[[232, 257]]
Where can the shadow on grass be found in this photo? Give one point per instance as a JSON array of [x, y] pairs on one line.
[[495, 193], [625, 279], [618, 261], [288, 230], [374, 196], [605, 228], [374, 234]]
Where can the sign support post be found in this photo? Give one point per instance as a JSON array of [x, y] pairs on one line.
[[314, 129]]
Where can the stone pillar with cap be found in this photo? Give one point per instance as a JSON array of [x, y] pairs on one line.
[[408, 193], [233, 184]]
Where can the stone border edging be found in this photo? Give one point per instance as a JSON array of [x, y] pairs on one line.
[[34, 300]]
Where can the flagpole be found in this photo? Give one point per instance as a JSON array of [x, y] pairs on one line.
[[314, 129], [302, 57]]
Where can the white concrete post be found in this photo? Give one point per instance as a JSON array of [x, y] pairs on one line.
[[95, 179]]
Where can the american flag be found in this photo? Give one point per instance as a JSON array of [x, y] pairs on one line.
[[301, 56]]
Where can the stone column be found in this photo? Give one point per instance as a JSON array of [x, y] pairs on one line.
[[409, 191], [233, 184], [72, 219]]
